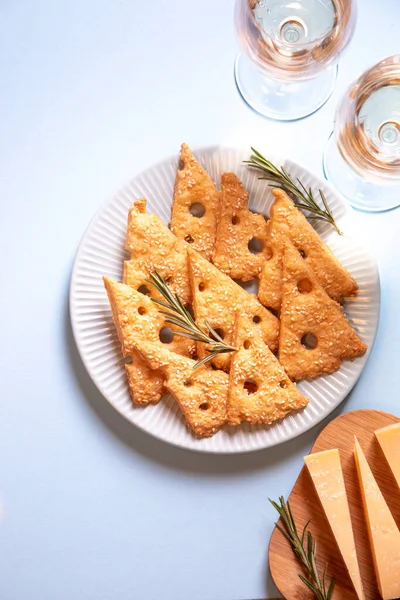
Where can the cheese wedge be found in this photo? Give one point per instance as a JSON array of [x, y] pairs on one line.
[[327, 476], [389, 440], [383, 533]]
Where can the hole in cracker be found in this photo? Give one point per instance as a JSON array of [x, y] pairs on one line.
[[168, 279], [181, 164], [128, 360], [220, 332], [283, 383], [214, 367], [235, 220], [188, 238], [141, 310], [143, 289], [166, 335], [187, 383], [256, 319], [197, 209], [202, 286], [303, 254], [304, 286], [246, 344], [255, 245], [309, 341], [250, 386], [204, 406]]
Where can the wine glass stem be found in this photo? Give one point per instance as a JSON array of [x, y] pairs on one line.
[[279, 99]]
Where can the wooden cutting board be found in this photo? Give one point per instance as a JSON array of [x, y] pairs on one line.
[[304, 503]]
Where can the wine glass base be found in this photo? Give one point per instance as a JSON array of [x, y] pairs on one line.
[[361, 194], [282, 100]]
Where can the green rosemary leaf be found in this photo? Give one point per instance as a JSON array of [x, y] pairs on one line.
[[305, 548], [204, 360], [304, 531], [307, 583], [304, 198], [177, 314], [213, 332], [330, 589], [161, 303]]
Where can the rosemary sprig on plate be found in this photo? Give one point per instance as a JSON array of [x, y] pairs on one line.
[[304, 198], [305, 548], [176, 314]]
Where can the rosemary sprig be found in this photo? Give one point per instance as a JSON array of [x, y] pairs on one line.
[[176, 314], [303, 198], [305, 548]]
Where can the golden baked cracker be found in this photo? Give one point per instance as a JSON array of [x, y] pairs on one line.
[[146, 386], [308, 311], [270, 284], [136, 317], [259, 389], [216, 298], [237, 228], [201, 393], [334, 278], [194, 188], [154, 247]]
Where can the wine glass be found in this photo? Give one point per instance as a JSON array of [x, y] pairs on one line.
[[362, 157], [290, 50]]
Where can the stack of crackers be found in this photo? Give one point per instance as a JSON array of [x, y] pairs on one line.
[[294, 328]]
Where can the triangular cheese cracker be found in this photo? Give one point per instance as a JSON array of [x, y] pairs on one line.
[[259, 389], [155, 248], [240, 246], [195, 204], [315, 335], [146, 386], [201, 393], [270, 285], [334, 278], [217, 298], [136, 317]]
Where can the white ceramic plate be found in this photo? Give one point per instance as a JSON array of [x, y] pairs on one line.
[[101, 252]]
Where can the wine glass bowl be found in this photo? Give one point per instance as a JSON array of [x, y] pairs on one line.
[[367, 122], [286, 46], [293, 39], [362, 157]]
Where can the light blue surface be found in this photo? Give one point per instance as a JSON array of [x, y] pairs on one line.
[[91, 93]]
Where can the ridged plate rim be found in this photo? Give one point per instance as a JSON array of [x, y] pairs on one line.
[[96, 339]]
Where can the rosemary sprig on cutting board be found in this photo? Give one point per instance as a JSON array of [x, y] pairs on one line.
[[305, 548], [176, 314], [304, 198]]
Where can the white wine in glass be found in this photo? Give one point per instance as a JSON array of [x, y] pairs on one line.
[[362, 157], [289, 53]]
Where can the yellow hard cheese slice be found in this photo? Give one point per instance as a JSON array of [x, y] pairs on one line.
[[383, 533], [389, 440], [327, 476]]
